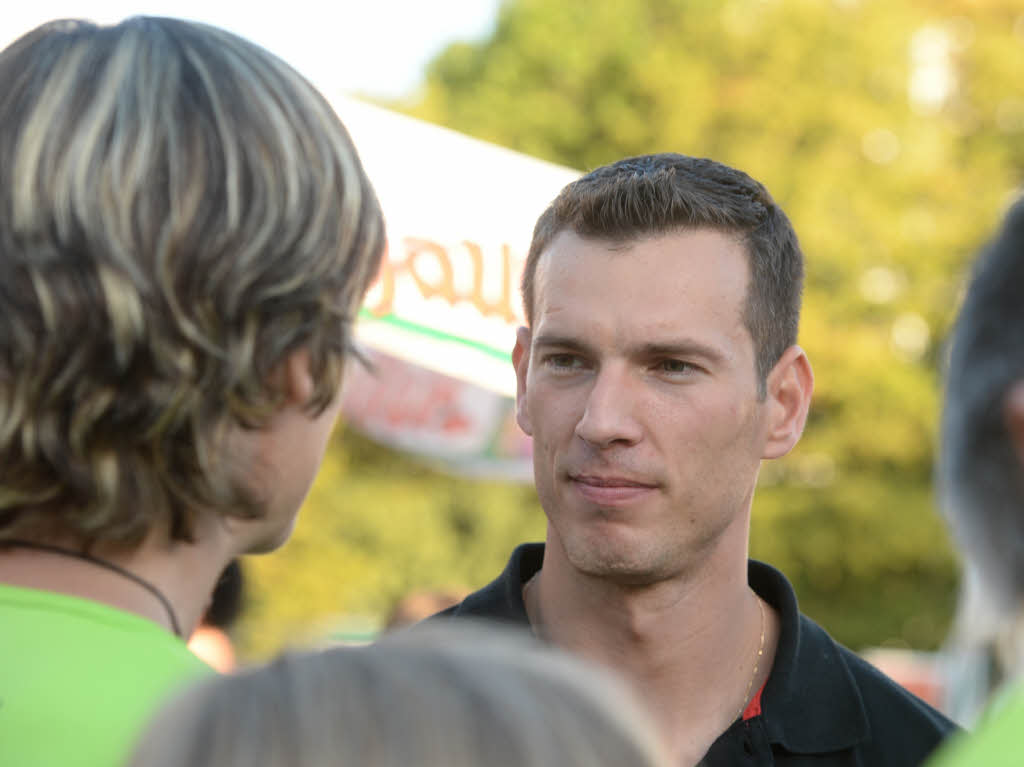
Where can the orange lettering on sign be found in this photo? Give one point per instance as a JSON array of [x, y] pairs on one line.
[[445, 285], [429, 264], [503, 307]]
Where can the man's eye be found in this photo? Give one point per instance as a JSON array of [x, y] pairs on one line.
[[563, 361], [675, 366]]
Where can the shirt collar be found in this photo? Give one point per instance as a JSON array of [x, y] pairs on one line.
[[811, 703]]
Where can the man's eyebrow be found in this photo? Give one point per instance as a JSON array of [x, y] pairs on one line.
[[682, 348], [564, 342]]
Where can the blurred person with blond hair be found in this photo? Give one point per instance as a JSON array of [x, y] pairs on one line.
[[426, 696], [981, 480], [186, 234]]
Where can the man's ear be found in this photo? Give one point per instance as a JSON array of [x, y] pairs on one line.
[[296, 377], [521, 362], [1013, 411], [789, 388]]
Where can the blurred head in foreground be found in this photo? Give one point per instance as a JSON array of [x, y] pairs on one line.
[[982, 450], [427, 697]]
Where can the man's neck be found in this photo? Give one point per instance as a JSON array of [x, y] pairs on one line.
[[183, 574], [690, 644]]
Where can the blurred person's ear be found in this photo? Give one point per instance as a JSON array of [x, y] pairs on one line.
[[278, 461], [296, 377], [1013, 410]]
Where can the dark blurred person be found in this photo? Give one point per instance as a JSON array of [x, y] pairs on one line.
[[211, 641], [981, 476], [186, 234]]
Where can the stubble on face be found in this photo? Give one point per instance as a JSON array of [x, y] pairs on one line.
[[605, 549], [693, 437]]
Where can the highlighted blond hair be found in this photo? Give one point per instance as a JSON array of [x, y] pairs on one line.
[[179, 210]]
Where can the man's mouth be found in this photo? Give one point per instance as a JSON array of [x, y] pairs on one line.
[[610, 489], [609, 480]]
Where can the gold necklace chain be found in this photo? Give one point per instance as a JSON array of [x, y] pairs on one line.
[[528, 587], [757, 662]]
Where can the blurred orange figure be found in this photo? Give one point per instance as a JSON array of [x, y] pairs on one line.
[[211, 641]]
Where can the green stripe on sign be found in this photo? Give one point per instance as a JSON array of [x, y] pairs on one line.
[[423, 330]]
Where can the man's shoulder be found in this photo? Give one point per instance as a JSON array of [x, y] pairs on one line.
[[901, 727], [501, 600], [822, 699], [132, 661], [486, 604], [882, 694]]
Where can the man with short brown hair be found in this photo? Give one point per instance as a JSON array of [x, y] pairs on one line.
[[659, 368]]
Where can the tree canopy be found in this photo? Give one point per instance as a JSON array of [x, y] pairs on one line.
[[891, 133]]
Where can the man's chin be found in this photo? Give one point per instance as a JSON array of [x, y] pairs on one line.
[[272, 540], [625, 568]]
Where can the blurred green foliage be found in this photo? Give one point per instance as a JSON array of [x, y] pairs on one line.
[[376, 526], [891, 131]]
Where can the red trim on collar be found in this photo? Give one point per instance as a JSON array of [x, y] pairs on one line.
[[754, 707]]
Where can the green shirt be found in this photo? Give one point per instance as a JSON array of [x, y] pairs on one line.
[[79, 679], [995, 742]]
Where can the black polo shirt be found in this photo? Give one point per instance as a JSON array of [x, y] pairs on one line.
[[822, 704]]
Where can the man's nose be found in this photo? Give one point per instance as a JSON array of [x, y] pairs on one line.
[[609, 417]]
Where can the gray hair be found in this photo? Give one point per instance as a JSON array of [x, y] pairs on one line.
[[981, 481], [179, 211], [442, 697]]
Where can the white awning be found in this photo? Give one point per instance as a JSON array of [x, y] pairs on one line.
[[442, 316]]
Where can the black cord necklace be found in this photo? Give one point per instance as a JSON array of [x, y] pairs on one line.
[[175, 626]]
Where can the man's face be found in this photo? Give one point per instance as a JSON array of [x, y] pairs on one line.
[[637, 382], [282, 458]]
